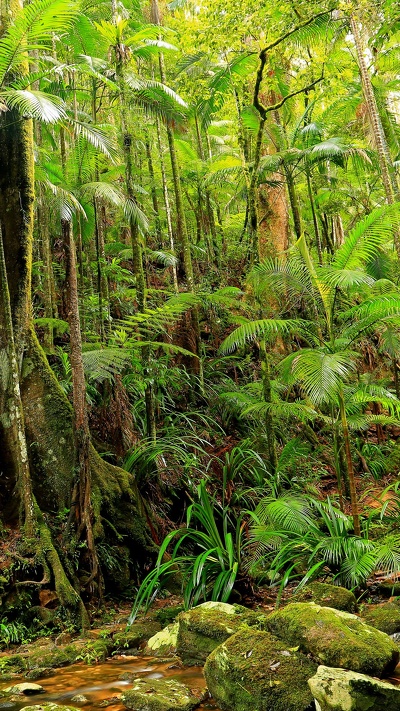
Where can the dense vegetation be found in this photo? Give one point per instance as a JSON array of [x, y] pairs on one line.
[[199, 299]]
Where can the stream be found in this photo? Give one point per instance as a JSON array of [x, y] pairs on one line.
[[102, 682]]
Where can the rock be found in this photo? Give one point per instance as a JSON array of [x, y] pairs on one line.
[[335, 638], [79, 699], [338, 690], [48, 706], [164, 642], [135, 635], [166, 615], [159, 695], [385, 618], [253, 671], [204, 627], [327, 596], [389, 588], [26, 688], [39, 673]]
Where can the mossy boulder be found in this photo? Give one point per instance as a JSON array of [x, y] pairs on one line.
[[159, 695], [252, 670], [385, 618], [24, 689], [166, 615], [389, 588], [135, 635], [335, 638], [204, 627], [163, 643], [340, 690], [327, 596]]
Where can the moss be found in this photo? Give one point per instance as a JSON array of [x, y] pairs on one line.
[[327, 596], [204, 627], [335, 638], [159, 695], [336, 689], [253, 670], [389, 589], [168, 614], [136, 634], [385, 618]]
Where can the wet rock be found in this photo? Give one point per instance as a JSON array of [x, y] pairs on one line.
[[335, 638], [204, 627], [135, 635], [79, 699], [337, 689], [167, 615], [39, 673], [159, 695], [253, 671], [108, 702], [384, 617], [48, 706], [26, 688], [327, 596], [164, 642]]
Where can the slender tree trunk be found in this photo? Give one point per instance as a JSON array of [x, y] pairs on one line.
[[269, 423], [350, 467], [153, 189], [294, 203], [166, 202], [385, 162]]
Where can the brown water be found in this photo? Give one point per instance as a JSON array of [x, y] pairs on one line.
[[101, 683]]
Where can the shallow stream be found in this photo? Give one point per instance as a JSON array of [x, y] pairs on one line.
[[101, 682]]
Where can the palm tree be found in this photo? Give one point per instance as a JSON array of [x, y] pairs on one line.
[[324, 369]]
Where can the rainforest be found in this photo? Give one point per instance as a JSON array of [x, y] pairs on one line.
[[200, 354]]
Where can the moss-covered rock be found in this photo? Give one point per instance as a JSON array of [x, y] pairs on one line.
[[166, 615], [24, 688], [163, 644], [388, 588], [204, 627], [327, 596], [385, 618], [340, 690], [136, 634], [335, 638], [254, 671], [39, 673], [159, 695]]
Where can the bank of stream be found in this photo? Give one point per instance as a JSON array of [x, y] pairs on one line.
[[101, 684]]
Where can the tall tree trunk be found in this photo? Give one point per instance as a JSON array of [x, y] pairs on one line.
[[350, 467], [385, 162], [82, 499]]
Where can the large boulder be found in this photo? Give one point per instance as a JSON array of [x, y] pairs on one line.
[[327, 596], [253, 671], [159, 695], [340, 690], [385, 618], [163, 643], [204, 627], [335, 638]]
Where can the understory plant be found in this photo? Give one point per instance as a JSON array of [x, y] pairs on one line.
[[300, 538], [210, 562]]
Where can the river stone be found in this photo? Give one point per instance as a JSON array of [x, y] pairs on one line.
[[159, 695], [204, 627], [335, 638], [253, 671], [327, 596], [164, 642], [26, 688], [79, 699], [340, 690]]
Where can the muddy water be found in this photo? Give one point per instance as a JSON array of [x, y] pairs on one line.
[[101, 683]]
